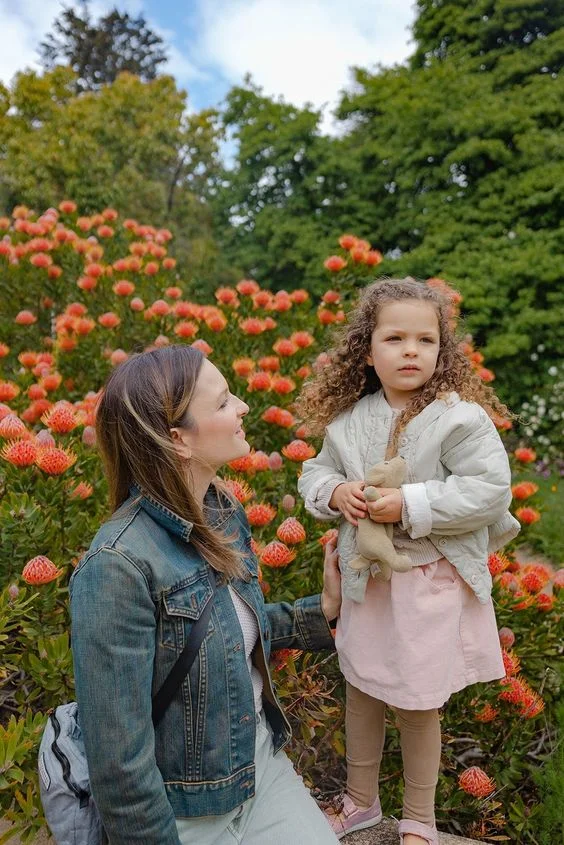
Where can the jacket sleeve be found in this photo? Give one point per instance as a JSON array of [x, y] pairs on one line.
[[320, 476], [113, 643], [478, 491], [299, 625]]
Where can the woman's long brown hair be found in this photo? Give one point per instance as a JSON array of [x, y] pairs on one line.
[[143, 399], [347, 377]]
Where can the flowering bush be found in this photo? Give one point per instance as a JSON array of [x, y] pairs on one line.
[[79, 295]]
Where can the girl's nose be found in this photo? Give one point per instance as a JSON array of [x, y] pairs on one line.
[[243, 408]]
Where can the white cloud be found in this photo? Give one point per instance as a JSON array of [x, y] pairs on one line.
[[302, 49]]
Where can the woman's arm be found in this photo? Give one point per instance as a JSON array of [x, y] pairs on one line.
[[113, 644], [478, 491], [305, 623]]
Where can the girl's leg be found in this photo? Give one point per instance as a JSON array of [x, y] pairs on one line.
[[420, 733], [365, 729]]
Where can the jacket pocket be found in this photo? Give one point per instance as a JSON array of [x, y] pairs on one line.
[[181, 605]]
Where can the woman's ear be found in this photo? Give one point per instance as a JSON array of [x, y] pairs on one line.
[[369, 360], [181, 442]]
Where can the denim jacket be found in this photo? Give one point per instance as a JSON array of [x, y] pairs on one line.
[[134, 598]]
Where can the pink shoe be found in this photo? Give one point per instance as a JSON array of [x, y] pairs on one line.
[[352, 818], [419, 829]]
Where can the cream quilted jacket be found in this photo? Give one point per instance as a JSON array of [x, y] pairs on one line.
[[457, 489]]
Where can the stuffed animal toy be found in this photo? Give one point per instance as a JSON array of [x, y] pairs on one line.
[[374, 539]]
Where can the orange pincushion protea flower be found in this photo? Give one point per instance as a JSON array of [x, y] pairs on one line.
[[8, 391], [240, 489], [203, 346], [348, 241], [487, 714], [270, 363], [475, 782], [260, 461], [511, 662], [54, 460], [20, 453], [4, 350], [302, 339], [282, 385], [533, 578], [83, 490], [243, 366], [61, 418], [330, 534], [278, 416], [497, 563], [298, 450], [281, 656], [291, 531], [186, 328], [544, 602], [247, 287], [252, 326], [524, 489], [285, 347], [259, 381], [525, 455], [12, 428], [527, 515], [334, 263], [227, 296], [109, 320], [40, 570], [276, 555], [260, 514], [243, 464]]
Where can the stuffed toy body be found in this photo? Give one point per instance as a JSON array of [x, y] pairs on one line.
[[374, 539]]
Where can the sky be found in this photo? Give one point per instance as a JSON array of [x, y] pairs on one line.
[[301, 50]]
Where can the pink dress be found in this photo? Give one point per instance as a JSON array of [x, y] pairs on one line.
[[418, 638]]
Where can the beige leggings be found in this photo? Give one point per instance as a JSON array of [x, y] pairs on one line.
[[420, 735]]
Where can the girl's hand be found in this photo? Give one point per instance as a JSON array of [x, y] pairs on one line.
[[331, 594], [349, 499], [388, 507]]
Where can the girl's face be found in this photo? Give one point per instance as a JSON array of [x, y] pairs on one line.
[[217, 436], [404, 348]]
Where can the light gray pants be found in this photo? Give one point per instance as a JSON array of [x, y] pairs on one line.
[[282, 812]]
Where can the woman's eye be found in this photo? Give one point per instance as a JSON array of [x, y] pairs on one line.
[[428, 340], [394, 337]]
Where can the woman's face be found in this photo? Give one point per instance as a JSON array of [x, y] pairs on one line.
[[217, 436]]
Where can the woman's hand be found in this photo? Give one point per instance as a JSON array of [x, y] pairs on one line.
[[348, 498], [331, 594], [388, 507]]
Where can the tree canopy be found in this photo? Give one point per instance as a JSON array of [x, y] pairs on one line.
[[98, 51]]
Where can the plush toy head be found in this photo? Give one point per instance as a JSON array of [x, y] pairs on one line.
[[387, 474], [374, 539]]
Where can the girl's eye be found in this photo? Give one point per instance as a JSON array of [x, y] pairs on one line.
[[394, 337], [225, 401], [428, 340]]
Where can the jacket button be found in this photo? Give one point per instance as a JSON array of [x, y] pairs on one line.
[[404, 441], [237, 647], [442, 541], [245, 718]]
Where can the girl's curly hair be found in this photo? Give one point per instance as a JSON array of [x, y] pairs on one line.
[[347, 376]]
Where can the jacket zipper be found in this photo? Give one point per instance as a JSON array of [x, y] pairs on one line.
[[82, 795]]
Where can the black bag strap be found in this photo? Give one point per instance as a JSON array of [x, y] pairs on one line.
[[165, 694]]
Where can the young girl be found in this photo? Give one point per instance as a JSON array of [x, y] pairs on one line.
[[397, 383]]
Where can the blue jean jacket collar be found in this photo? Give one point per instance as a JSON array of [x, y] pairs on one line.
[[161, 514]]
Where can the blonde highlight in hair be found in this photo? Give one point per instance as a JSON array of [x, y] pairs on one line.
[[347, 376], [143, 399]]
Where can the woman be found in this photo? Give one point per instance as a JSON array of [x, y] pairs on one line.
[[213, 770]]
